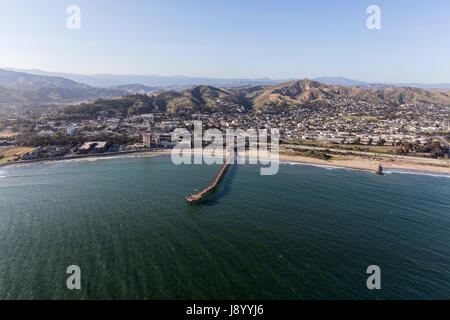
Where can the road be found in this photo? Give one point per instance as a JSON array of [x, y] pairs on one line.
[[361, 153], [444, 143]]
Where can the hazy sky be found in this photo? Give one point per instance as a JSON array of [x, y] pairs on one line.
[[231, 38]]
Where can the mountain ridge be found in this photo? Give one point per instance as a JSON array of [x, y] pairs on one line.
[[151, 80], [111, 80], [20, 87], [274, 98]]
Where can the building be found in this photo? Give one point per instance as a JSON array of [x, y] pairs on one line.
[[146, 140], [169, 144], [46, 133], [156, 139], [72, 129], [93, 146]]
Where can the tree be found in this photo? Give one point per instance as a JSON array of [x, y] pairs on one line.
[[437, 153]]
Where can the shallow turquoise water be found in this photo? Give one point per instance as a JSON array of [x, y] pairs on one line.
[[307, 233]]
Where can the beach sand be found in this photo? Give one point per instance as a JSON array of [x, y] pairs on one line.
[[372, 165], [351, 162], [354, 162]]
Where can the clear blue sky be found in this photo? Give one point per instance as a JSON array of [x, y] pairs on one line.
[[231, 38]]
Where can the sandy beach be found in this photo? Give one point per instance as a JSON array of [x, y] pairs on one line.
[[368, 164], [351, 162]]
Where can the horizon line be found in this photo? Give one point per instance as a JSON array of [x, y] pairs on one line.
[[24, 70]]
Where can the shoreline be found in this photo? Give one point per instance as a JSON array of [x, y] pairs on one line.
[[106, 155], [368, 164], [355, 163]]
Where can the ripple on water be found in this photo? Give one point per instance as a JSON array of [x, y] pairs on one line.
[[307, 232]]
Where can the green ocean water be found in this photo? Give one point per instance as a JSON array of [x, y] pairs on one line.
[[306, 233]]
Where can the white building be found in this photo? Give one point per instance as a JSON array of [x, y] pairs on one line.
[[147, 140]]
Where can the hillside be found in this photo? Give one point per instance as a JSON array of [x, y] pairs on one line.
[[400, 95], [19, 87], [297, 93], [346, 82], [196, 99], [52, 95], [25, 81], [341, 81], [151, 80], [272, 98], [135, 88], [300, 92]]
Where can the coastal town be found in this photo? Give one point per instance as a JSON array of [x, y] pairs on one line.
[[416, 129], [225, 159]]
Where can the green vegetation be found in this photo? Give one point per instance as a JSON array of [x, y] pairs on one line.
[[197, 99], [21, 125], [7, 159], [350, 147], [433, 148], [124, 106], [72, 141], [433, 164], [310, 154]]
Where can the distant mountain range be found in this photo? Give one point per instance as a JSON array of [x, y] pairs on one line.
[[110, 80], [136, 88], [267, 98], [180, 81], [22, 87], [340, 81]]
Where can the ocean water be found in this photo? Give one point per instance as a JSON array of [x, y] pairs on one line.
[[306, 233]]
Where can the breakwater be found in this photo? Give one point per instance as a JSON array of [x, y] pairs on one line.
[[202, 195]]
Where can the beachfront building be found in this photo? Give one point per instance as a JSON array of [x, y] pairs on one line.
[[146, 140], [93, 146]]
